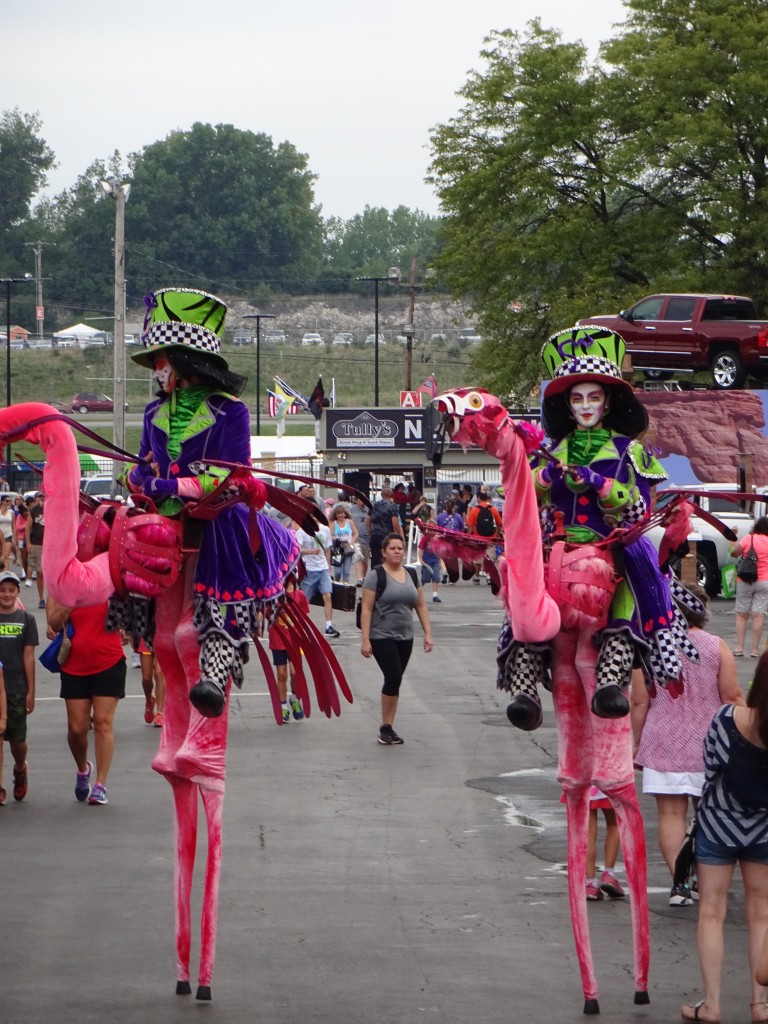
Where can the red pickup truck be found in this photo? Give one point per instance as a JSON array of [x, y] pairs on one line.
[[668, 334]]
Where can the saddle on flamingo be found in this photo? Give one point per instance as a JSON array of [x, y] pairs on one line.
[[191, 570], [584, 597]]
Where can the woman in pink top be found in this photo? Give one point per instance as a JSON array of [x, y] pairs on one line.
[[752, 598], [669, 733]]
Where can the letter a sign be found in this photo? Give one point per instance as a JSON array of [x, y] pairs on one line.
[[410, 399]]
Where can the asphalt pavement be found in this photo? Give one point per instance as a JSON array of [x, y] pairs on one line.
[[360, 883]]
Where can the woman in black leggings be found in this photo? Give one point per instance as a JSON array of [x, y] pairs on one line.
[[386, 621]]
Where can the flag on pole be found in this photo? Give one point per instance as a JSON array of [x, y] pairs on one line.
[[317, 400], [290, 392], [285, 402], [429, 386], [273, 404]]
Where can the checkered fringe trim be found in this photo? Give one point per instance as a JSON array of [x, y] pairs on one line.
[[587, 364], [172, 332]]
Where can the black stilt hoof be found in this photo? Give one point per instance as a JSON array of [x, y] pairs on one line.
[[642, 999], [591, 1006], [610, 702], [203, 992], [183, 988], [524, 713], [208, 698]]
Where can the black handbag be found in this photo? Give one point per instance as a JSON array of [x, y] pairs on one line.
[[746, 567], [685, 862]]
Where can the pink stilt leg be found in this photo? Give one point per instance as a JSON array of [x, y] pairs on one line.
[[185, 805], [213, 802], [191, 756], [632, 833], [572, 716]]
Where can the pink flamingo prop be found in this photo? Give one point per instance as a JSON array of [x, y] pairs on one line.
[[591, 750], [116, 550]]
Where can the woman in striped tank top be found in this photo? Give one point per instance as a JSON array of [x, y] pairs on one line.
[[668, 733], [731, 826]]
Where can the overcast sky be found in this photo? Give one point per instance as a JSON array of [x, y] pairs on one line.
[[355, 86]]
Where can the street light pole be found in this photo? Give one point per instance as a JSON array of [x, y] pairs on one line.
[[8, 281], [258, 317], [393, 276]]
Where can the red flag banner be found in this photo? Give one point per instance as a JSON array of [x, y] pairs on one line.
[[429, 386]]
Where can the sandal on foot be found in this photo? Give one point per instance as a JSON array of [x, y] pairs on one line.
[[692, 1012], [3, 795]]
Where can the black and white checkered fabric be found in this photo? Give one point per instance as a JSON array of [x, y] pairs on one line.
[[135, 615], [526, 669], [614, 662], [665, 663], [634, 513], [220, 659], [172, 332], [587, 364]]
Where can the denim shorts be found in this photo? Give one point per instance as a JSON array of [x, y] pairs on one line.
[[717, 855], [317, 581]]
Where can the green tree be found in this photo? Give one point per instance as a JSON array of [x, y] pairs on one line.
[[225, 206], [573, 188], [376, 239], [25, 158]]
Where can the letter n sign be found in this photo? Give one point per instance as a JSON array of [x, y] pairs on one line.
[[410, 399]]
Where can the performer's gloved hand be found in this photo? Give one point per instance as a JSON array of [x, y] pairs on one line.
[[156, 487], [585, 475], [139, 475], [550, 472]]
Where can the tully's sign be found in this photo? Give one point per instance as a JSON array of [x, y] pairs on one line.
[[397, 429]]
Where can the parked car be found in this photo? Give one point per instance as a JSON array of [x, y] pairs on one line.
[[370, 340], [712, 548], [343, 338], [90, 401], [312, 338], [243, 339], [275, 337], [687, 332], [100, 487], [469, 335], [131, 339]]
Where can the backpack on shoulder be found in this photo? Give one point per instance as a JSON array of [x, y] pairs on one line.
[[381, 586], [485, 524]]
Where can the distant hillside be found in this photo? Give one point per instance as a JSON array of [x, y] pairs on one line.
[[333, 313]]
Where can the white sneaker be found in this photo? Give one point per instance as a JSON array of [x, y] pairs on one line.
[[27, 582], [135, 660]]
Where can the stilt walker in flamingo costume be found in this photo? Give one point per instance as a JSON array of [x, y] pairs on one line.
[[580, 621], [190, 573]]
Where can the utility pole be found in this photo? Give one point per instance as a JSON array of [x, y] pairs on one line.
[[37, 248], [409, 334], [119, 191]]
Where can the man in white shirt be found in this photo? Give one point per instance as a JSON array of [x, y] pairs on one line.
[[315, 552]]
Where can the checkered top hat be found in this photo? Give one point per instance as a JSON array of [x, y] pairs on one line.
[[182, 318], [589, 353], [580, 354]]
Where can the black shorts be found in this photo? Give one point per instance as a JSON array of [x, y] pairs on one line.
[[109, 683], [16, 725], [279, 657]]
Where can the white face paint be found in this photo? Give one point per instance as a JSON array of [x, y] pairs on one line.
[[587, 402], [164, 374]]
